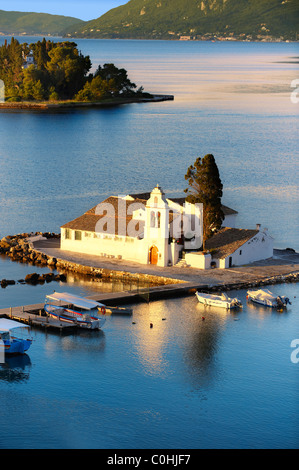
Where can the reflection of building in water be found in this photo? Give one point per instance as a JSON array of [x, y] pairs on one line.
[[15, 368], [150, 343]]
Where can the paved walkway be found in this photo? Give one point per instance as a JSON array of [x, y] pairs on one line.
[[283, 263]]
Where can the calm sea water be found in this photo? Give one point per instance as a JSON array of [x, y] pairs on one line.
[[225, 382]]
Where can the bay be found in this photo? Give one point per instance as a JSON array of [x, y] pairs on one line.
[[225, 382]]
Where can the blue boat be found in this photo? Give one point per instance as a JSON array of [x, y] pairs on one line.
[[9, 343]]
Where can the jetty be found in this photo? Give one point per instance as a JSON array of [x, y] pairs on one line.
[[34, 314], [56, 105], [150, 283]]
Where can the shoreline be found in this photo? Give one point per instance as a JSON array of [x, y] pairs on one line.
[[43, 250], [18, 105]]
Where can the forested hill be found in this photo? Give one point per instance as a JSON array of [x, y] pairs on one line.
[[197, 19], [17, 22]]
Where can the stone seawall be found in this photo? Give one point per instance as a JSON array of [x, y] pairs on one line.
[[21, 248], [113, 274]]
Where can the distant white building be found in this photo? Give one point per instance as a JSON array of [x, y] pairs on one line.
[[28, 59], [149, 228]]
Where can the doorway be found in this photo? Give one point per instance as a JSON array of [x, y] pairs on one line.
[[153, 255]]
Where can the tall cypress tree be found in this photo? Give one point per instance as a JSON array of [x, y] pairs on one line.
[[205, 187]]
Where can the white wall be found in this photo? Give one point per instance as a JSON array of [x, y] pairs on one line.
[[198, 260], [110, 246], [259, 247]]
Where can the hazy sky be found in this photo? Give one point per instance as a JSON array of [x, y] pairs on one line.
[[82, 9]]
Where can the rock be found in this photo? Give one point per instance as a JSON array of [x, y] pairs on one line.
[[32, 278], [48, 277], [60, 277], [5, 246], [52, 261], [7, 282]]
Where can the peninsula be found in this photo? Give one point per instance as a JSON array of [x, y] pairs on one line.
[[49, 74]]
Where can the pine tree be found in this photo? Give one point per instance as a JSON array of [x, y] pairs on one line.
[[205, 187]]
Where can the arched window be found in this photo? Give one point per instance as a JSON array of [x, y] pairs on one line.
[[155, 201], [158, 219], [153, 219]]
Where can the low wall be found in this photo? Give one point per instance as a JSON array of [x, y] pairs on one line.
[[112, 274], [198, 260]]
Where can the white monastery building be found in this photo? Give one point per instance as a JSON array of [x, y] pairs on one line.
[[149, 228]]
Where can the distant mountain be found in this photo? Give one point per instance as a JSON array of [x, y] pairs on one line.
[[17, 22], [197, 19]]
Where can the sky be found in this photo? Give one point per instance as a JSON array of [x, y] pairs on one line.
[[82, 9]]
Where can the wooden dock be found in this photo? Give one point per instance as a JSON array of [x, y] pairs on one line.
[[33, 315]]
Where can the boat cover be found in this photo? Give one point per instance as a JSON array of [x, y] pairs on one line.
[[7, 325], [263, 294], [80, 302]]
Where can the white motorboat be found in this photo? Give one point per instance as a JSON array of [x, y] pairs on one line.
[[79, 311], [266, 298], [9, 343], [218, 300]]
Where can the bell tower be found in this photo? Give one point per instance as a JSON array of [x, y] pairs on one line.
[[156, 230]]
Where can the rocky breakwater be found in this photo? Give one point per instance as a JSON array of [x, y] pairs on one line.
[[19, 248]]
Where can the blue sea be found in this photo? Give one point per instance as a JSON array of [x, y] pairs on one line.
[[226, 382]]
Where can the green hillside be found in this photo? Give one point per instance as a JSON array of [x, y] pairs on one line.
[[171, 19], [16, 22]]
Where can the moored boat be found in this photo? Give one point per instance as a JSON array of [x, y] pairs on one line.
[[120, 310], [80, 311], [267, 298], [9, 343], [218, 300]]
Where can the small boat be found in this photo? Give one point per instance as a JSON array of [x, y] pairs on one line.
[[10, 343], [119, 310], [218, 300], [266, 298], [76, 310]]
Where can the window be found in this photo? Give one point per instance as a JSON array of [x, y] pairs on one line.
[[153, 219], [67, 234], [240, 252], [78, 235], [158, 219]]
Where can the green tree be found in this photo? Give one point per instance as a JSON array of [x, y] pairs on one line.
[[67, 68], [97, 89], [205, 187], [11, 66], [121, 82]]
